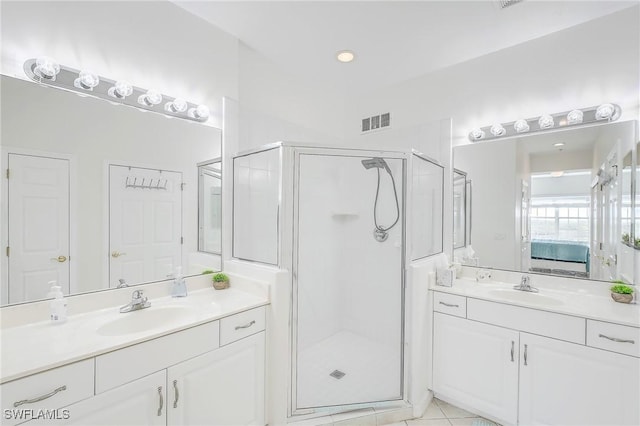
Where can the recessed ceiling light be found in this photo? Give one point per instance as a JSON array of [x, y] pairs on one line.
[[345, 56], [559, 144]]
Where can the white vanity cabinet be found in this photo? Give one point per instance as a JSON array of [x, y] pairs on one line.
[[496, 362], [222, 387], [567, 384], [476, 363]]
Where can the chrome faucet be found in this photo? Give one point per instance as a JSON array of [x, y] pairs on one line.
[[138, 301], [123, 283], [525, 285]]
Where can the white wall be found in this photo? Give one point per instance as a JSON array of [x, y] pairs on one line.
[[586, 65], [561, 160]]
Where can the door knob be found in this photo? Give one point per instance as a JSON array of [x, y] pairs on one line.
[[60, 259], [117, 254]]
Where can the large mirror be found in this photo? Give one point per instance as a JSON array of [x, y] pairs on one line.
[[553, 203], [98, 195]]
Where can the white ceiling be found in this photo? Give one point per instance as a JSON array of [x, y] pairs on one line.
[[393, 40]]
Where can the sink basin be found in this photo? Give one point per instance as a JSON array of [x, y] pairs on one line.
[[526, 297], [145, 319]]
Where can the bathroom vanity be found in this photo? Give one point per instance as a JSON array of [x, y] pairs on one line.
[[204, 365], [563, 356]]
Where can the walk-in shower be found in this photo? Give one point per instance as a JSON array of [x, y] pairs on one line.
[[310, 211]]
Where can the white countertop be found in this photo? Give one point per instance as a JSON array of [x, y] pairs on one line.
[[40, 346], [583, 301]]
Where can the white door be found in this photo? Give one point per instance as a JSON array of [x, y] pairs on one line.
[[38, 226], [476, 365], [567, 384], [224, 387], [142, 402], [145, 224]]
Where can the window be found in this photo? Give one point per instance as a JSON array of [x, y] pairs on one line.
[[560, 219]]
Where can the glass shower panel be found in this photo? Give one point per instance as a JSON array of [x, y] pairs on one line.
[[349, 297], [427, 208], [459, 209], [256, 197]]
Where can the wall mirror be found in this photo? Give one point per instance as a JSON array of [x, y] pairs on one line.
[[98, 195], [554, 203]]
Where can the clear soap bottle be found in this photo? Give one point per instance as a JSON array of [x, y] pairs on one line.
[[179, 287]]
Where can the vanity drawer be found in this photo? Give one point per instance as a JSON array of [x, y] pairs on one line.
[[534, 321], [241, 325], [613, 337], [48, 390], [125, 365], [450, 304]]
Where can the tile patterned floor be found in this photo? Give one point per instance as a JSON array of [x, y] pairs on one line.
[[441, 413]]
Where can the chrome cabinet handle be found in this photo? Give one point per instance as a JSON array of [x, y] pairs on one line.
[[177, 394], [40, 398], [161, 401], [512, 350], [238, 327], [449, 305], [525, 355], [615, 339]]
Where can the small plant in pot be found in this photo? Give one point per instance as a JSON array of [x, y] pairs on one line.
[[620, 292], [220, 281]]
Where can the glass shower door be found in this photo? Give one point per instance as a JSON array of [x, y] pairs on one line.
[[348, 300]]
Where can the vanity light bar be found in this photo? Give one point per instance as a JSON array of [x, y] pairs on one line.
[[576, 117], [46, 71]]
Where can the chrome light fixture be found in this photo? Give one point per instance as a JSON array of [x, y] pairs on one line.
[[45, 70], [579, 116], [120, 90]]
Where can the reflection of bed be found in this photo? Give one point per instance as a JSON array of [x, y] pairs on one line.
[[557, 256]]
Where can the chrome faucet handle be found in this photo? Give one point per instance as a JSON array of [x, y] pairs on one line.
[[137, 294], [483, 275]]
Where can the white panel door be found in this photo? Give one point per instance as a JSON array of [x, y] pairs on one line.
[[38, 237], [145, 224], [477, 365], [568, 384], [224, 387], [142, 402]]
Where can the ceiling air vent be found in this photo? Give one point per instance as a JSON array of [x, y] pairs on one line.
[[507, 3]]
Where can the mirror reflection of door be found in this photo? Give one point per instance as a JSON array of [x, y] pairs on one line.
[[38, 224], [210, 207], [145, 224]]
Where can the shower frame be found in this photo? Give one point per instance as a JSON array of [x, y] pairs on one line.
[[287, 248]]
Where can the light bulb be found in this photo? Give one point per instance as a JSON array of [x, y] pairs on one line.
[[120, 90], [345, 56], [46, 68], [604, 112], [201, 112], [521, 126], [575, 117], [86, 80], [151, 98], [476, 134], [546, 121], [177, 105], [498, 130]]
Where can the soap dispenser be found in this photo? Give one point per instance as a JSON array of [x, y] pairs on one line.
[[57, 306], [179, 287]]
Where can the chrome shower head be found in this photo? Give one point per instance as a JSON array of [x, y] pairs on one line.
[[375, 162]]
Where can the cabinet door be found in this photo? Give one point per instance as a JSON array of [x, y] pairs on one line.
[[568, 384], [140, 403], [222, 387], [476, 365]]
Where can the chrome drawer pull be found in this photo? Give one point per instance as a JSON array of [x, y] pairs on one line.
[[449, 305], [175, 388], [238, 327], [615, 339], [512, 349], [40, 398], [161, 401], [525, 355]]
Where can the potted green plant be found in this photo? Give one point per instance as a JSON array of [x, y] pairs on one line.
[[220, 281], [621, 293], [626, 238]]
